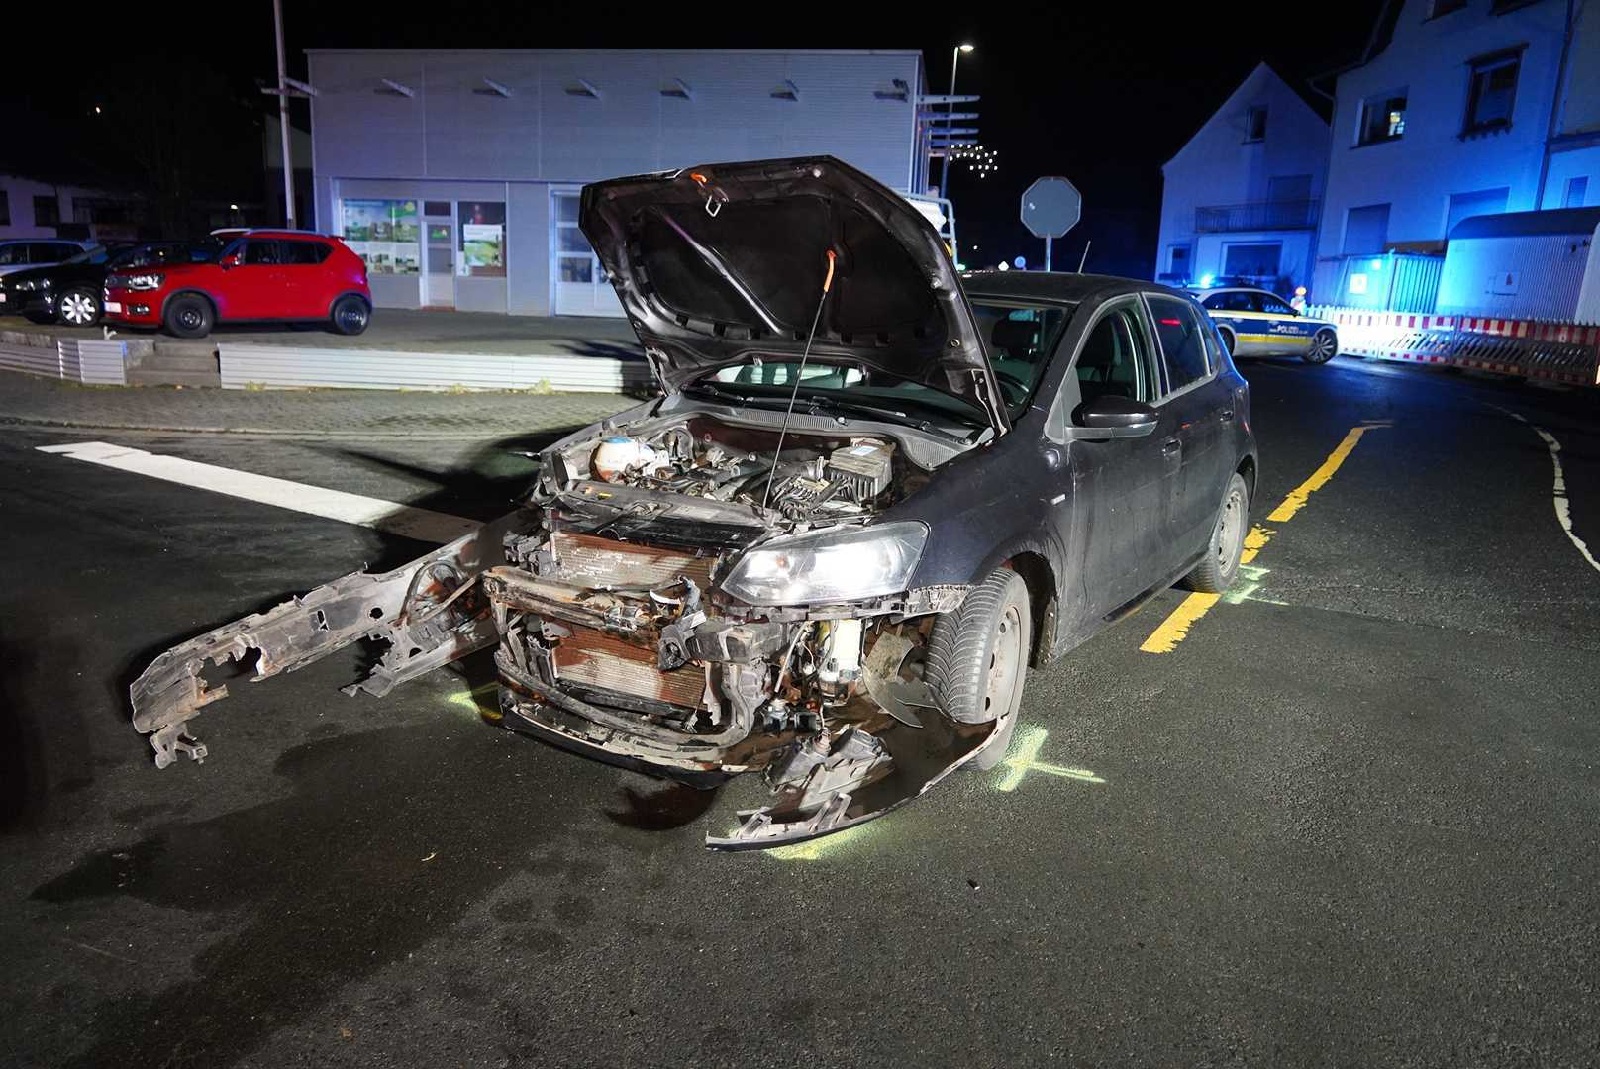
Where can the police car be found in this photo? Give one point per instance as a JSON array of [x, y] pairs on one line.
[[1257, 322]]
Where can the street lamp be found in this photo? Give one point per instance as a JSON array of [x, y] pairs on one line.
[[949, 110]]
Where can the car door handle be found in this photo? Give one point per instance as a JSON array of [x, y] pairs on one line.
[[1227, 415], [1170, 447]]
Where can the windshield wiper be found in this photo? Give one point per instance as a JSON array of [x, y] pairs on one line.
[[711, 389]]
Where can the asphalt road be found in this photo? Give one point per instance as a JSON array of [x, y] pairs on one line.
[[1350, 819]]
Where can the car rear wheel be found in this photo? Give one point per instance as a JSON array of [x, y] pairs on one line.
[[78, 307], [1216, 572], [351, 314], [1324, 345], [978, 659], [1227, 339], [189, 315]]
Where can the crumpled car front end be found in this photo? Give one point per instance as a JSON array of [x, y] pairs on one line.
[[665, 619]]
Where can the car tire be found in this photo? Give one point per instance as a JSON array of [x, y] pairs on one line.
[[78, 307], [1324, 347], [978, 659], [1228, 339], [189, 315], [1217, 571], [350, 315]]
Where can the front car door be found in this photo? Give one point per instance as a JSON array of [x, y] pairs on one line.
[[1114, 508], [254, 288], [1199, 410]]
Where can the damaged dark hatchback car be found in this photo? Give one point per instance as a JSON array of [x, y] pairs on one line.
[[871, 494]]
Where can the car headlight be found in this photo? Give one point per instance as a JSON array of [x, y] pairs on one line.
[[843, 564], [142, 282], [28, 285]]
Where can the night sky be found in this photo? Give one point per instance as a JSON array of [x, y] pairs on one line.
[[1100, 94]]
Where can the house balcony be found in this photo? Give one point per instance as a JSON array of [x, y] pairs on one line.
[[1257, 215]]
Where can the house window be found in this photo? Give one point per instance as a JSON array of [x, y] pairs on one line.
[[1444, 7], [1577, 189], [5, 208], [1366, 229], [1257, 262], [1255, 125], [1178, 261], [1483, 202], [46, 210], [1491, 92], [1383, 118]]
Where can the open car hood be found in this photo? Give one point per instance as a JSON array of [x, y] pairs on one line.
[[723, 262]]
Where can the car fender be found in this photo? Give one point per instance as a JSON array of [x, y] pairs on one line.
[[186, 291]]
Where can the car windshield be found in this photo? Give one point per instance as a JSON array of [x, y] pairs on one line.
[[1020, 339], [839, 390]]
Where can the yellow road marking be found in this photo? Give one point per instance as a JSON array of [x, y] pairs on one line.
[[1175, 628], [1319, 478], [481, 700]]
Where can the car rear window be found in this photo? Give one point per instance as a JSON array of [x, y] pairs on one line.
[[1183, 345]]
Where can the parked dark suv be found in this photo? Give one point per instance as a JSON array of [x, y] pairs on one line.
[[872, 493]]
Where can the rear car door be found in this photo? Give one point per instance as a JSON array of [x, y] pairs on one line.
[[1285, 331], [307, 290], [1197, 413], [1118, 485]]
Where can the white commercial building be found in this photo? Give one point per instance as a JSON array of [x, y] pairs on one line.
[[456, 174], [1461, 108], [1241, 198]]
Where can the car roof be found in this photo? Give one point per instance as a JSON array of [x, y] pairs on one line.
[[1062, 286], [289, 235], [1207, 291]]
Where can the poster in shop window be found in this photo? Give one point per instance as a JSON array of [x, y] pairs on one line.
[[385, 234], [483, 238]]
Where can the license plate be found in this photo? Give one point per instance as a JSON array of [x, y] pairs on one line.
[[113, 307], [2, 298]]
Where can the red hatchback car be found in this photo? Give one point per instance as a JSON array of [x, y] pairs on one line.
[[261, 275]]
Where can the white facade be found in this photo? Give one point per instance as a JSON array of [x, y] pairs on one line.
[[1469, 108], [457, 172], [1241, 197], [33, 209]]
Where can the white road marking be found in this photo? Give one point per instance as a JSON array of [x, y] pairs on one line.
[[1558, 490], [387, 516]]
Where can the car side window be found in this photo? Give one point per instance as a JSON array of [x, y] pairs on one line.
[[11, 255], [305, 252], [1274, 304], [1182, 337], [261, 252], [1114, 359], [64, 252], [1231, 301]]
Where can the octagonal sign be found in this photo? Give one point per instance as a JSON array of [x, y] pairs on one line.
[[1051, 207]]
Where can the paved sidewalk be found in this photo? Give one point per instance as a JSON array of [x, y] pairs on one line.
[[32, 401]]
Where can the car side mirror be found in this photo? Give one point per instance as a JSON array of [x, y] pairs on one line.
[[233, 259], [1111, 416]]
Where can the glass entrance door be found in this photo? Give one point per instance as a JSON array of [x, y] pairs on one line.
[[439, 275], [582, 287]]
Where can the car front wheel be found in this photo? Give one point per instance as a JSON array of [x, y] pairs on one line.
[[1324, 345], [189, 315], [351, 314], [78, 308], [1216, 572], [978, 659]]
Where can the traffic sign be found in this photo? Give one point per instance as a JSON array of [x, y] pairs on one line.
[[1050, 208]]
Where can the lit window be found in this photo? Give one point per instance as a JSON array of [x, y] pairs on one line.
[[1383, 118], [1255, 125], [1491, 93]]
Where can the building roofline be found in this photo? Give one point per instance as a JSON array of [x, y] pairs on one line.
[[617, 51]]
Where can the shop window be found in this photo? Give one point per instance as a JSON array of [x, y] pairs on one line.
[[439, 209], [46, 210], [385, 234], [481, 238], [1491, 93], [1383, 118], [1255, 125]]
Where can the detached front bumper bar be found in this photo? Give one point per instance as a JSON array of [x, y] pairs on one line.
[[430, 612]]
